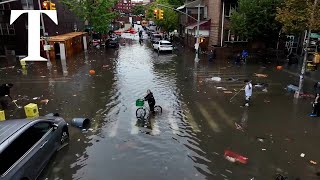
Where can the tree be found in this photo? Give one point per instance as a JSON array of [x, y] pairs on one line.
[[298, 16], [138, 9], [98, 13], [176, 2], [255, 20], [295, 15], [170, 20]]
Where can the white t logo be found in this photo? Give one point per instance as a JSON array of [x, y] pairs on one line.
[[34, 30]]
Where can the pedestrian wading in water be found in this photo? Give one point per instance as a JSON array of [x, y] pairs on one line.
[[248, 92]]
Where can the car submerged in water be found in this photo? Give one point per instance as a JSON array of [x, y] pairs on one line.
[[26, 145]]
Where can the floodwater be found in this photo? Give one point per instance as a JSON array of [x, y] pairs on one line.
[[187, 141]]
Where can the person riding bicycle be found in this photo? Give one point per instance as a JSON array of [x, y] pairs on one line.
[[151, 101]]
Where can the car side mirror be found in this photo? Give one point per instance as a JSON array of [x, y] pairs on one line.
[[55, 126]]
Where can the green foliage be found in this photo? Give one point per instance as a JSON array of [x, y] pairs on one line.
[[176, 2], [97, 12], [138, 9], [296, 15], [171, 18], [255, 19]]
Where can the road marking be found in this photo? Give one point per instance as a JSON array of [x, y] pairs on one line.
[[114, 129], [155, 128], [208, 118], [192, 122], [134, 128], [173, 124]]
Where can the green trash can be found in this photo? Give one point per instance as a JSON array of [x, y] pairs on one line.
[[140, 102]]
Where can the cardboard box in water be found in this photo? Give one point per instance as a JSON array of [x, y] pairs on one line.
[[31, 110]]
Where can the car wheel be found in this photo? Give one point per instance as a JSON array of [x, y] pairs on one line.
[[64, 137]]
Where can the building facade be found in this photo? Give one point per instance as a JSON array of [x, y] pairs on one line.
[[14, 38], [214, 22], [125, 6]]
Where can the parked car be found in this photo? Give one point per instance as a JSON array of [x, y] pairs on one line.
[[163, 46], [26, 146], [155, 38], [112, 42], [150, 32]]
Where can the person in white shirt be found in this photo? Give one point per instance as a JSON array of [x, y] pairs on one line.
[[248, 92]]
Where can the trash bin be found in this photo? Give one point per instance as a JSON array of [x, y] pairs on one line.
[[80, 122], [292, 88]]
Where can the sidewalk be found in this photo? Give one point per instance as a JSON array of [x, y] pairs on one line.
[[295, 70]]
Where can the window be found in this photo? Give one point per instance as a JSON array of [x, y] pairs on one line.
[[228, 37], [228, 9], [165, 44], [22, 144], [205, 12]]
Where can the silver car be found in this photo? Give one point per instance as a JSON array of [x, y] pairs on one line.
[[26, 146]]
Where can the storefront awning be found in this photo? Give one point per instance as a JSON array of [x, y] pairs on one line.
[[315, 35], [194, 25]]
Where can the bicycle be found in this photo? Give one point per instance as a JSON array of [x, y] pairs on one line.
[[141, 112]]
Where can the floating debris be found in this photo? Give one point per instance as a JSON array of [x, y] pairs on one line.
[[302, 155], [261, 75], [313, 162], [45, 101], [218, 79]]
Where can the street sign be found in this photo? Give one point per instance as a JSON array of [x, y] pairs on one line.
[[46, 47]]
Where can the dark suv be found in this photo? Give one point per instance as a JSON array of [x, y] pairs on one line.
[[26, 146]]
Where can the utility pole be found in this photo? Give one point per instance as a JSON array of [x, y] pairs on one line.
[[197, 40], [45, 35], [303, 69]]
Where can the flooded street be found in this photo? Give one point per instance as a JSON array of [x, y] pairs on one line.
[[187, 141]]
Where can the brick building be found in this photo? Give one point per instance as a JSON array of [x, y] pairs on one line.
[[125, 6], [214, 22], [14, 38]]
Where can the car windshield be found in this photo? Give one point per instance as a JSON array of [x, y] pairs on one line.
[[157, 36], [165, 43]]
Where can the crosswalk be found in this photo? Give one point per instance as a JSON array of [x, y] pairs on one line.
[[231, 80]]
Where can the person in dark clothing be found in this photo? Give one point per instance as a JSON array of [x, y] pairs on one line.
[[316, 106], [212, 54], [4, 93], [317, 88], [151, 100], [238, 59]]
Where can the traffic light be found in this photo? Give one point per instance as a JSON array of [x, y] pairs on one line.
[[160, 14], [46, 5], [155, 14], [52, 6], [201, 40]]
